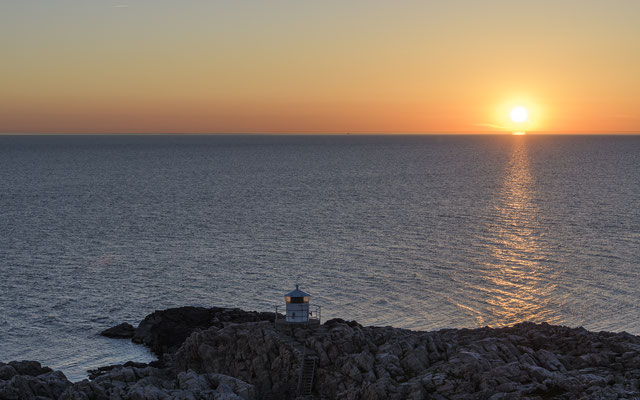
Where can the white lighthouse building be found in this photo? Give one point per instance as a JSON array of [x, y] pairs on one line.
[[297, 309]]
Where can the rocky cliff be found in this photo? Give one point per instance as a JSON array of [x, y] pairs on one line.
[[27, 380], [356, 362], [233, 354]]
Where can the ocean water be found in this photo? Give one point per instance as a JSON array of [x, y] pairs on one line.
[[421, 232]]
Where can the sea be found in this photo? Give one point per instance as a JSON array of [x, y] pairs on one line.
[[419, 232]]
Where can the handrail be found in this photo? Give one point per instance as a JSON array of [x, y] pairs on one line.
[[315, 314]]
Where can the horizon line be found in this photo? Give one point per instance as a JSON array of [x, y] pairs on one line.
[[469, 133]]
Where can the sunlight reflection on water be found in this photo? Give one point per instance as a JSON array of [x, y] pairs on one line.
[[516, 286]]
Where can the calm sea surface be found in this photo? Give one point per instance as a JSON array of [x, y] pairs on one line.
[[421, 232]]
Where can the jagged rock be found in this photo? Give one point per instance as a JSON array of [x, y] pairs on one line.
[[29, 380], [122, 331], [7, 372], [130, 382], [31, 368], [164, 331], [355, 362], [233, 354], [142, 383], [237, 386], [94, 373]]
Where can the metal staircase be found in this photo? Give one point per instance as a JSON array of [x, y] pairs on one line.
[[307, 371]]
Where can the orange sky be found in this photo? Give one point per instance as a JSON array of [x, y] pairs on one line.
[[77, 66]]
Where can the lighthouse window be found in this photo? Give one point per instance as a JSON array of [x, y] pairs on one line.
[[297, 299]]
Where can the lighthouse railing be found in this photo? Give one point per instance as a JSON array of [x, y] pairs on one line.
[[315, 316]]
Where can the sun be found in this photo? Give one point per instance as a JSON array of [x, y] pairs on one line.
[[518, 114]]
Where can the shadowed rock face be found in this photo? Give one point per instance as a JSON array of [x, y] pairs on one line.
[[133, 383], [122, 331], [355, 362], [233, 354], [29, 380], [164, 331], [118, 383]]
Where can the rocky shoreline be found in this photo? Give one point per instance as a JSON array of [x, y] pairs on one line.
[[231, 354]]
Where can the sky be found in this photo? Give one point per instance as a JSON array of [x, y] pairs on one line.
[[272, 66]]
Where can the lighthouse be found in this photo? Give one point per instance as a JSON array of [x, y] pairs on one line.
[[297, 308]]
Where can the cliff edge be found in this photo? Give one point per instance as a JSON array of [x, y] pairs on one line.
[[234, 354]]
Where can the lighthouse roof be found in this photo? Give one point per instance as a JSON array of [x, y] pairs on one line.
[[297, 293]]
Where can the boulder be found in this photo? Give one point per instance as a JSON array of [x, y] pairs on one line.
[[29, 380], [122, 331], [30, 368], [94, 373]]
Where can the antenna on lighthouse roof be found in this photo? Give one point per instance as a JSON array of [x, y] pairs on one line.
[[298, 278]]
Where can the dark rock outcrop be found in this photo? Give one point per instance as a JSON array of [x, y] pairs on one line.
[[30, 368], [164, 331], [29, 380], [125, 382], [122, 331], [524, 361], [94, 373], [138, 383], [233, 354]]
